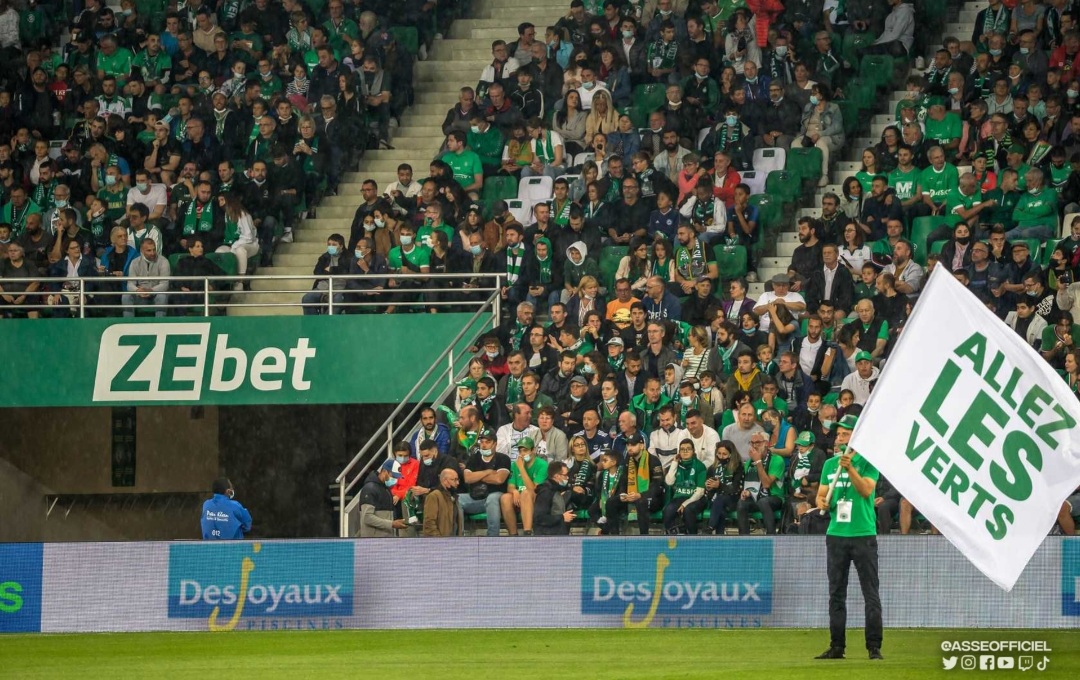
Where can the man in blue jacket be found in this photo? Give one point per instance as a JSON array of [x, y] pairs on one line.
[[222, 517]]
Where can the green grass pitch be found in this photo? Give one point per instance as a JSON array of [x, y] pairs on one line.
[[592, 654]]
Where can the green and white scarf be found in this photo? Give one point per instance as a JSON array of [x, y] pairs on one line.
[[198, 221], [690, 262], [544, 149], [996, 23], [513, 390], [662, 55], [514, 256], [729, 136], [232, 232], [609, 484], [43, 194]]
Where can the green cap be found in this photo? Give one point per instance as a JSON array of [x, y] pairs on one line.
[[806, 438], [467, 383], [935, 101], [486, 433], [848, 422], [907, 103], [863, 355], [526, 443], [1016, 148]]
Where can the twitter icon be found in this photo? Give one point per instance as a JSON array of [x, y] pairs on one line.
[[948, 662]]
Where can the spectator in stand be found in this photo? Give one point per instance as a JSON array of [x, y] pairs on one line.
[[762, 486], [148, 291], [377, 503], [442, 513], [486, 473]]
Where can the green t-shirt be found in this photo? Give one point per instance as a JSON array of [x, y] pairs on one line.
[[423, 234], [774, 466], [957, 199], [1059, 177], [946, 130], [466, 165], [537, 470], [866, 180], [779, 404], [939, 184], [419, 256], [691, 263], [118, 65], [863, 517], [115, 202], [904, 183]]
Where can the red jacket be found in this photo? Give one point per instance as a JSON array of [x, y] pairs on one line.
[[1058, 59], [408, 471], [726, 190]]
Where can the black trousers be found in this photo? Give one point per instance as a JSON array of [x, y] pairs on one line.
[[841, 552], [689, 516], [616, 510], [766, 505]]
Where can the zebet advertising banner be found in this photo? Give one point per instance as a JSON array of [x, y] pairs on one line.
[[223, 360], [975, 429]]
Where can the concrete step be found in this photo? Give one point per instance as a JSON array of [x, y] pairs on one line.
[[443, 99], [542, 16], [282, 286], [537, 7], [320, 226], [420, 167], [464, 70], [305, 249], [336, 211], [407, 145]]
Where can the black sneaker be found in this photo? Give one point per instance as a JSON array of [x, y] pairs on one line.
[[527, 532], [831, 653], [875, 653]]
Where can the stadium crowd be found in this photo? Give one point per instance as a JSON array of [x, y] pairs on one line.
[[183, 139], [658, 392], [624, 172]]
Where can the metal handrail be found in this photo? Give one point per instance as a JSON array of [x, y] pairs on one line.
[[337, 283], [406, 423]]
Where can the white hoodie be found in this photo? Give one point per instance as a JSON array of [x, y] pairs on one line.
[[860, 386]]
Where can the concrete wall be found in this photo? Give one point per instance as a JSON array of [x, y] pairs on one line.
[[69, 449]]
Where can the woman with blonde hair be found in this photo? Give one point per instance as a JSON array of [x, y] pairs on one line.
[[699, 356], [602, 118], [586, 299]]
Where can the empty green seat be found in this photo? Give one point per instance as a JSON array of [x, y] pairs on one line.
[[804, 162], [783, 185], [610, 257], [731, 261], [852, 43], [407, 37], [650, 97], [500, 188], [922, 227], [877, 68]]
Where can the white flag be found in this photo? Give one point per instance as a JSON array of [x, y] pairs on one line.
[[975, 429]]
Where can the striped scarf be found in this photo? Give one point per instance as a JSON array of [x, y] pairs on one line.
[[514, 256], [637, 474], [609, 484], [996, 23], [662, 55]]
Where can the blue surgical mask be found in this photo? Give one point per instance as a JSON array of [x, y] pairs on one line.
[[587, 369], [953, 90], [142, 186], [563, 482], [486, 453], [827, 424], [686, 401], [814, 100], [429, 461], [731, 120], [575, 399], [700, 77], [110, 180], [475, 129], [610, 400], [1024, 50], [1073, 94], [589, 85], [390, 482], [60, 203], [402, 459], [476, 250], [406, 240], [331, 250], [781, 50], [528, 459], [752, 81], [380, 223], [628, 34], [359, 254], [995, 53]]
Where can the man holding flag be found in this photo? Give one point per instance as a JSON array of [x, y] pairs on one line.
[[847, 492]]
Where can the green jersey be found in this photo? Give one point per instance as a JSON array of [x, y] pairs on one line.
[[400, 260], [1021, 176], [423, 234], [465, 165], [938, 183], [956, 200], [115, 202], [944, 131], [1059, 177], [773, 466], [904, 183], [487, 145], [863, 519], [118, 64], [536, 469], [866, 179], [778, 403], [16, 217], [689, 477]]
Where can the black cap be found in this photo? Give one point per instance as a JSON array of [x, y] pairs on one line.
[[486, 433], [635, 438]]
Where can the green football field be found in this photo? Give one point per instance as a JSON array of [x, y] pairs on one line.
[[548, 654]]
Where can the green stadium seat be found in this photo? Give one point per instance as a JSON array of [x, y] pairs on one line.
[[610, 257], [783, 185], [407, 37], [638, 117], [936, 247], [648, 98], [804, 162], [877, 68], [1034, 245], [921, 227], [862, 92], [731, 261], [851, 43], [852, 117], [500, 188]]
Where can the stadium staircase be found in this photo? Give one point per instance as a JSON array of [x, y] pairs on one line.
[[454, 62]]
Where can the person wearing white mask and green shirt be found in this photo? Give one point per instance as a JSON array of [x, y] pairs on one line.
[[526, 473], [846, 491]]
